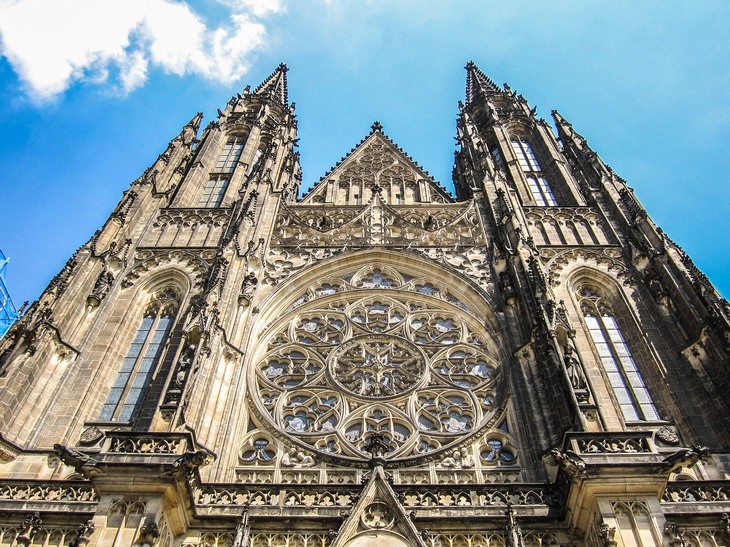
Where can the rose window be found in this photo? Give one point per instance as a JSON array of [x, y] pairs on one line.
[[377, 366], [377, 353]]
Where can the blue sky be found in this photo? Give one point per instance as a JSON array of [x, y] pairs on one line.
[[91, 91]]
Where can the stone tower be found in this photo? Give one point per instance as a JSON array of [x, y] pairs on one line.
[[376, 363]]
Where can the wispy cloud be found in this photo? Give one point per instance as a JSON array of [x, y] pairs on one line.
[[52, 44]]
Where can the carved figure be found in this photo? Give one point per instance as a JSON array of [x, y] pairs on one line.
[[687, 457], [187, 463], [148, 534], [28, 529], [607, 534], [508, 290], [305, 460], [288, 459], [248, 287], [82, 463], [83, 534], [454, 460], [572, 366], [183, 365], [674, 533], [295, 458], [101, 288], [568, 461]]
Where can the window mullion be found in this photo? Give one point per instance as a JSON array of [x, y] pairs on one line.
[[626, 361], [148, 358], [619, 363], [125, 376]]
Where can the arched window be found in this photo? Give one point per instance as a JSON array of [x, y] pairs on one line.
[[217, 185], [623, 375], [142, 357], [538, 184], [214, 191], [228, 159]]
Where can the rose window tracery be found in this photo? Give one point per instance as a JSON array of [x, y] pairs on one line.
[[377, 366], [377, 351]]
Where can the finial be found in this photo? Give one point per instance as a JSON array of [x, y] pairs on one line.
[[376, 127], [377, 445]]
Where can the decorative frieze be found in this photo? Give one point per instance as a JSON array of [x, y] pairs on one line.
[[450, 234], [473, 497], [697, 491], [194, 261], [566, 226], [145, 445], [65, 492]]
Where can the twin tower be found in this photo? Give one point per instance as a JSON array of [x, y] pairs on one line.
[[230, 363]]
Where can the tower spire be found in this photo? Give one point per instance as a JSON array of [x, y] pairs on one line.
[[477, 82], [275, 86]]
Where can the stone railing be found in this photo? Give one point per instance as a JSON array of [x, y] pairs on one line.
[[282, 497], [147, 443], [693, 492], [47, 495], [628, 442], [625, 442]]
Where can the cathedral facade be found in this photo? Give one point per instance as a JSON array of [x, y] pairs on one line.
[[229, 362]]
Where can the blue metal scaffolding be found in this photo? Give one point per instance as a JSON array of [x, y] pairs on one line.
[[8, 313]]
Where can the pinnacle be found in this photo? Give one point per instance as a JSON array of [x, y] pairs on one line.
[[194, 123], [562, 124], [377, 126]]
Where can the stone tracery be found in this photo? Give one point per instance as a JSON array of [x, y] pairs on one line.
[[378, 350]]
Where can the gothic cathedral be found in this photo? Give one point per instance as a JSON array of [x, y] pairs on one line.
[[373, 363]]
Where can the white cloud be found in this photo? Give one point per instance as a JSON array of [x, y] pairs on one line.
[[53, 43], [258, 7]]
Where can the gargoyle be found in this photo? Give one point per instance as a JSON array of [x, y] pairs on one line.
[[686, 457], [82, 463], [569, 461], [188, 463]]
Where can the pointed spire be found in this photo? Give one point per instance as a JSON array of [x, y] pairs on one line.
[[567, 133], [275, 86], [189, 132], [194, 124], [477, 81], [562, 123]]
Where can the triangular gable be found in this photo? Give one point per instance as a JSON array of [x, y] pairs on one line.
[[377, 162], [378, 518]]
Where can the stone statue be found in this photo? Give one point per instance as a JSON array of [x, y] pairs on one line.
[[248, 287]]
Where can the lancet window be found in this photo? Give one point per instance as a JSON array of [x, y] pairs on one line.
[[141, 359], [228, 159], [536, 180], [214, 191], [618, 362]]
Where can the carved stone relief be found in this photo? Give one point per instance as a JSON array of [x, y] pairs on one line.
[[145, 260], [451, 235]]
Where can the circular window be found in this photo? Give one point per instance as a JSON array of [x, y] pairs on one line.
[[386, 358]]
